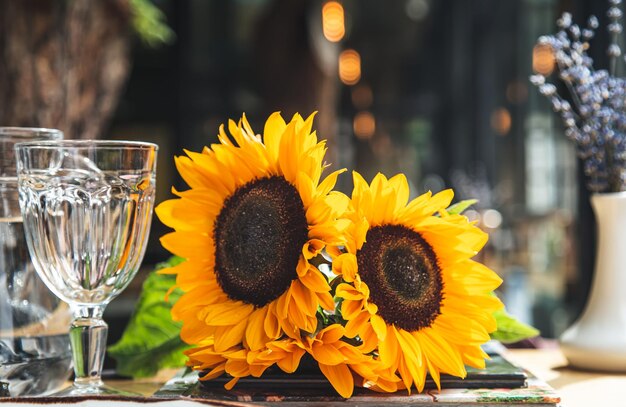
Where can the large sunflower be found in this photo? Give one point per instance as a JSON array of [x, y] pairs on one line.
[[411, 288], [255, 214]]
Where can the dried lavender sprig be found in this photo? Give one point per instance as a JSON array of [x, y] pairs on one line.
[[596, 122], [614, 28]]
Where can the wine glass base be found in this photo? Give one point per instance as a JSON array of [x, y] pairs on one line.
[[93, 391]]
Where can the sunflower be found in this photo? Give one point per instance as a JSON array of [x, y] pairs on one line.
[[410, 287], [255, 215]]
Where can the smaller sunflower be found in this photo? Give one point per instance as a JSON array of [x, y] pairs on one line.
[[256, 212], [411, 288]]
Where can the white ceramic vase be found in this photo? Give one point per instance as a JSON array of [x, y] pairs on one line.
[[597, 340]]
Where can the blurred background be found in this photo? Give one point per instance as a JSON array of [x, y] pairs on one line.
[[437, 89]]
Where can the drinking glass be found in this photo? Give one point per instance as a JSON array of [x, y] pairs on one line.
[[87, 208], [35, 355]]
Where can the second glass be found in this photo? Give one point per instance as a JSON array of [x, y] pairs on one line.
[[35, 355], [87, 208]]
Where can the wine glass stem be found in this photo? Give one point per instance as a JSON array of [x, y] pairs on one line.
[[88, 336]]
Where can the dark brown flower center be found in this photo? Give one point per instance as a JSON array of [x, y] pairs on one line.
[[259, 236], [405, 282]]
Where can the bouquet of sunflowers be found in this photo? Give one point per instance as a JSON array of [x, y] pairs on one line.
[[376, 289], [258, 229]]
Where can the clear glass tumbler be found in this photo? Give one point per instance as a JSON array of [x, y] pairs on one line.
[[87, 209], [35, 355]]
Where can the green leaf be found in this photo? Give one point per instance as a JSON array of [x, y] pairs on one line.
[[151, 340], [149, 23], [461, 206], [510, 329]]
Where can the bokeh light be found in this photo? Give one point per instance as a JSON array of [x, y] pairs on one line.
[[350, 67], [501, 121], [333, 24], [364, 125], [543, 59]]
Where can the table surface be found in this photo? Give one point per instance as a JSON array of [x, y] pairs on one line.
[[576, 388]]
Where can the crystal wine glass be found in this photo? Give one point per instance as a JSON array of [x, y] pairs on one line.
[[87, 208]]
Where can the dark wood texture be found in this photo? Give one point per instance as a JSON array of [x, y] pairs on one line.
[[64, 63]]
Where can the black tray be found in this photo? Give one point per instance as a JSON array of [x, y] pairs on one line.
[[309, 384]]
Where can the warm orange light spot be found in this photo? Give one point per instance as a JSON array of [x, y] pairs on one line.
[[501, 121], [362, 96], [543, 59], [364, 125], [349, 67], [333, 24]]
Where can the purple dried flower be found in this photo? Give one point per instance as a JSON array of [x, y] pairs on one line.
[[614, 50], [614, 13], [595, 119]]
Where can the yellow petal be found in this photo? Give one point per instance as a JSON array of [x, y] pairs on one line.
[[312, 248], [409, 346], [305, 300], [246, 125], [237, 368], [255, 332], [229, 336], [473, 278], [229, 313], [346, 266], [231, 383], [439, 201], [305, 188], [370, 340], [380, 327], [400, 184], [216, 372], [357, 324], [290, 362], [164, 212], [349, 309], [388, 350], [288, 153], [434, 373], [461, 330], [271, 325], [329, 182], [189, 245], [473, 356], [348, 292], [315, 281], [405, 374], [273, 131], [296, 315], [340, 377], [440, 352], [331, 333], [326, 301], [327, 354]]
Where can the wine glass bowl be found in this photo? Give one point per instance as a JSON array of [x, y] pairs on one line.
[[87, 209]]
